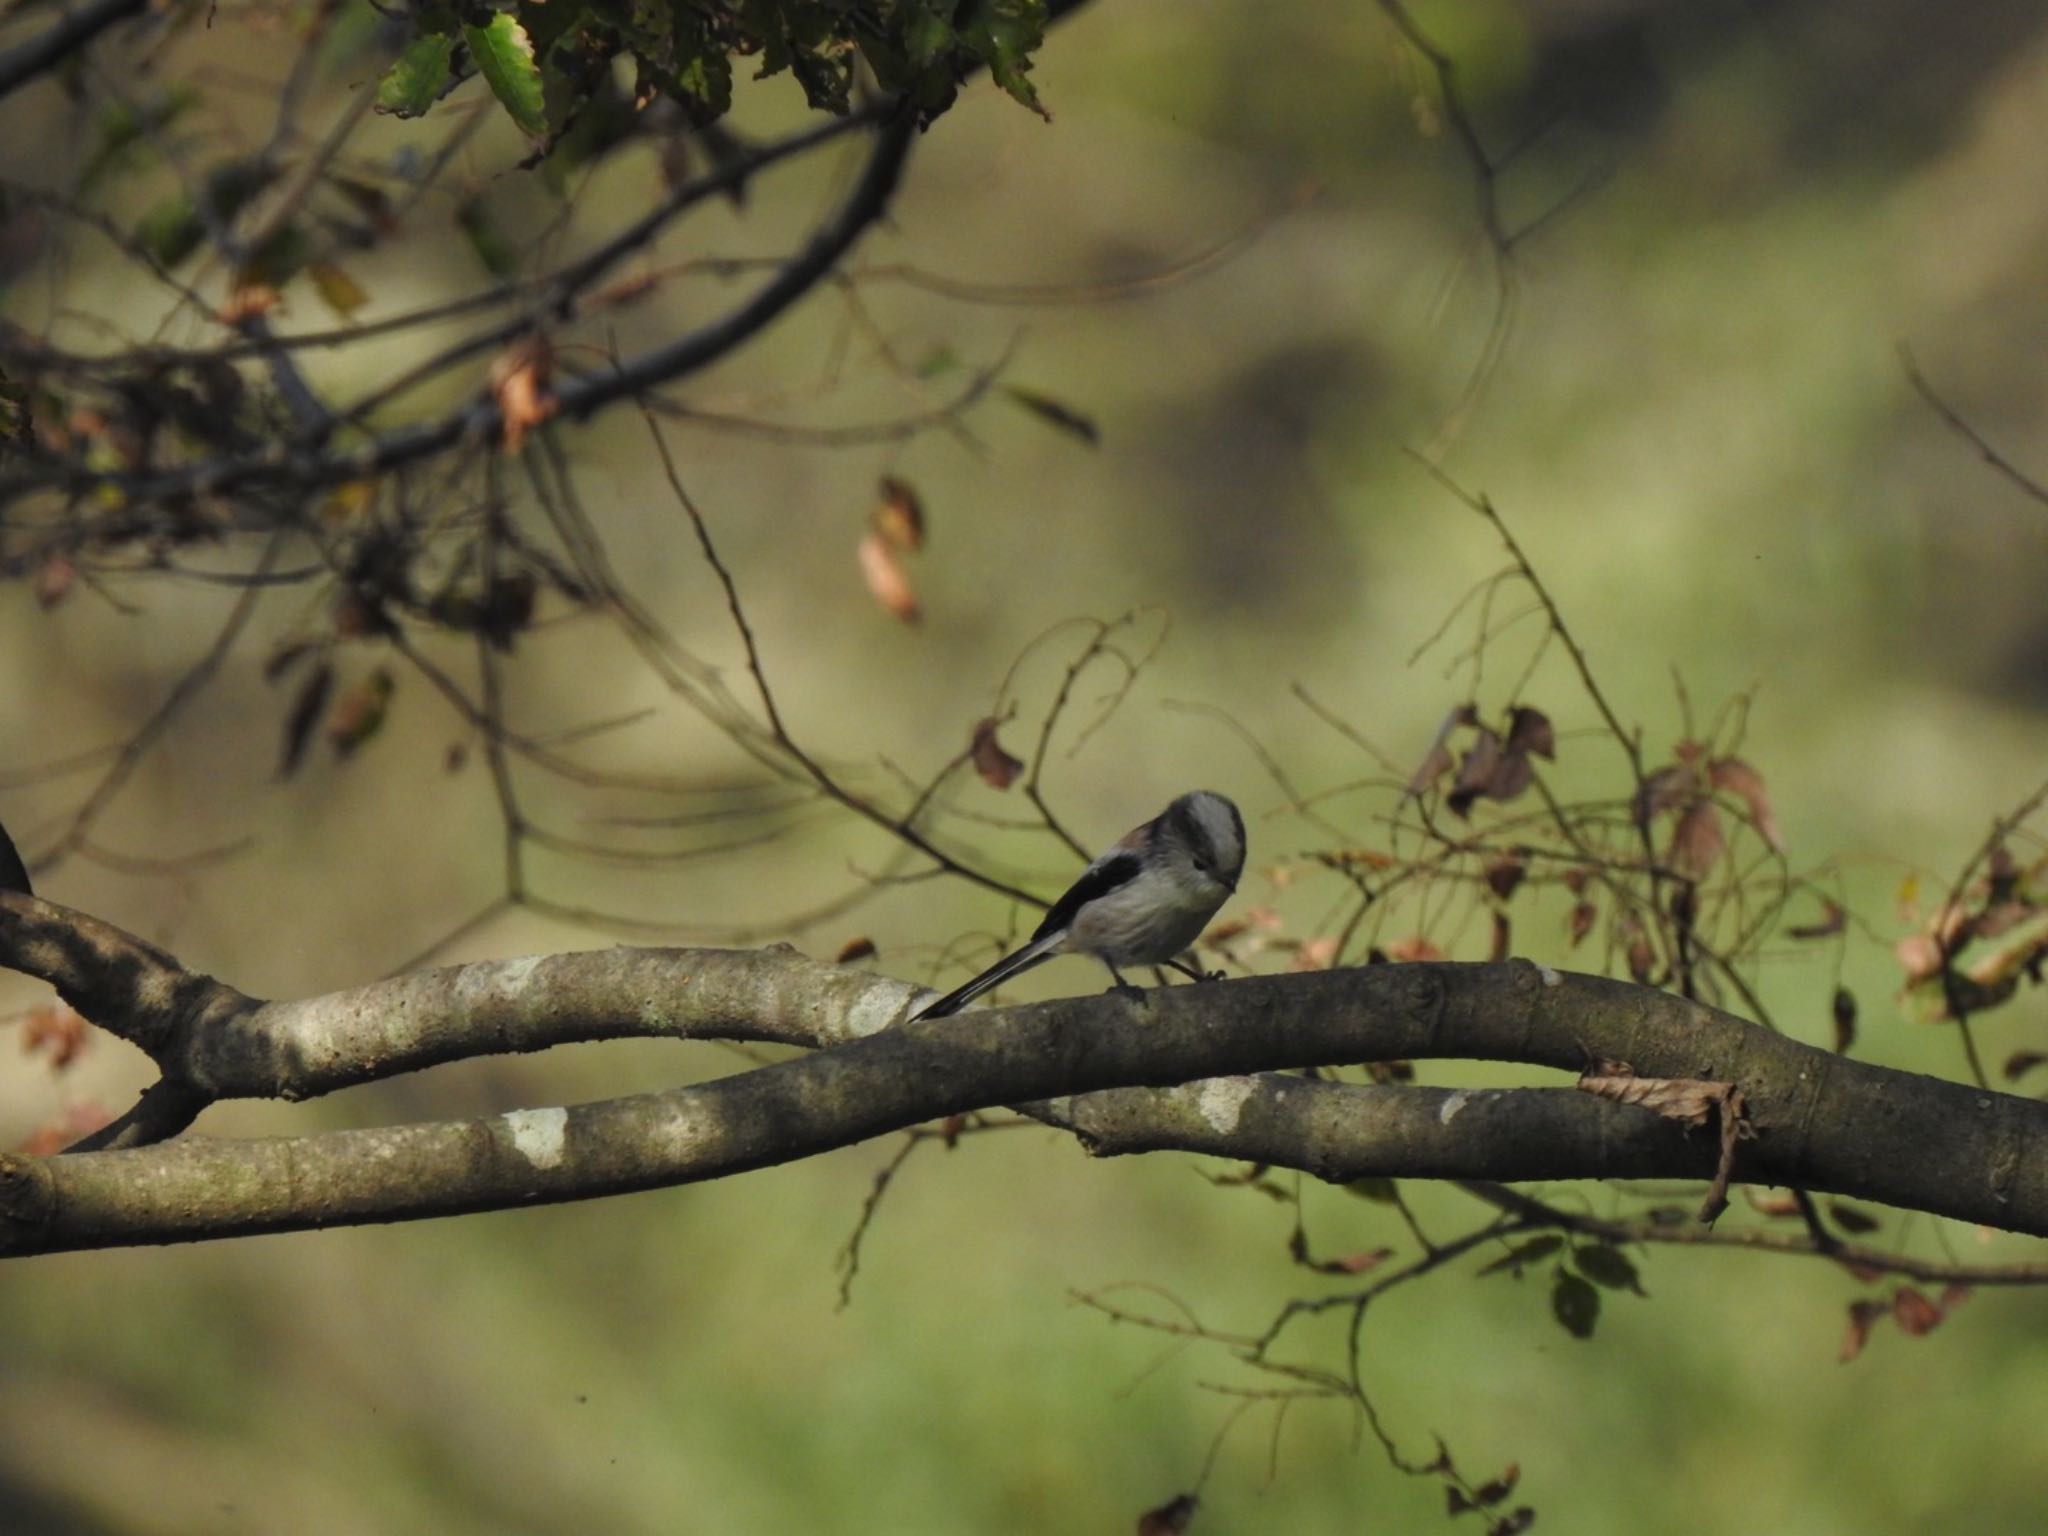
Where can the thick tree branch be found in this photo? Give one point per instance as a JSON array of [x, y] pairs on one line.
[[1823, 1123]]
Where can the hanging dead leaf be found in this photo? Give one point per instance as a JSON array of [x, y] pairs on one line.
[[1691, 1102], [1583, 917], [2020, 1063], [1698, 841], [1844, 1011], [55, 578], [359, 713], [58, 1031], [997, 768], [1498, 949], [1490, 772], [249, 301], [1914, 1313], [307, 707], [1530, 731], [1919, 955], [1863, 1316], [1664, 790], [1056, 413], [1171, 1518], [886, 582], [1503, 872], [862, 948], [519, 383], [1636, 945], [1735, 777], [1575, 880], [1437, 762], [899, 515]]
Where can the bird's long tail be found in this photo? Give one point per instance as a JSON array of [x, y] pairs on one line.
[[1010, 965]]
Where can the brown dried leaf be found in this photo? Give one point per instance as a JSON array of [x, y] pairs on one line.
[[1498, 949], [1698, 841], [359, 712], [1863, 1316], [1530, 731], [1642, 960], [307, 707], [1688, 1100], [55, 578], [1171, 1518], [1490, 772], [1437, 762], [57, 1030], [1919, 955], [519, 383], [899, 515], [1358, 858], [1498, 1488], [2001, 917], [1503, 872], [854, 949], [1416, 947], [885, 579], [1834, 917], [2019, 1063], [1734, 776], [1914, 1313], [1844, 1012], [1575, 880], [997, 768], [1583, 917], [248, 301], [1316, 955], [1664, 790]]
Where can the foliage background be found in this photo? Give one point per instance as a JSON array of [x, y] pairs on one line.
[[1701, 430]]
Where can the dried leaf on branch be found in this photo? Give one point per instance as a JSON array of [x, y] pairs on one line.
[[1691, 1102]]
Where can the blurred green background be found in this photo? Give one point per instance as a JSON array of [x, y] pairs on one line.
[[1700, 428]]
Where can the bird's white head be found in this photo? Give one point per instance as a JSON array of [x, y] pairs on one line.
[[1209, 829]]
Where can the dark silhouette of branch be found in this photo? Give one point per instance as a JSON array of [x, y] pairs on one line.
[[49, 48]]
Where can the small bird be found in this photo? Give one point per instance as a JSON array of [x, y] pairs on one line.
[[1142, 903]]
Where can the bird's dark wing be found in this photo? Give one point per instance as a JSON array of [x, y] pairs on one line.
[[1118, 867]]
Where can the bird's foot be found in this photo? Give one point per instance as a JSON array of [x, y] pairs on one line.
[[1129, 993]]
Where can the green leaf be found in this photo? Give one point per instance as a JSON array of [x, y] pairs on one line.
[[1575, 1304], [504, 57], [1606, 1265], [1522, 1255], [417, 80], [1003, 34], [171, 230], [927, 33]]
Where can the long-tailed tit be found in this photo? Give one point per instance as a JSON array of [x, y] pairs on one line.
[[1142, 903]]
